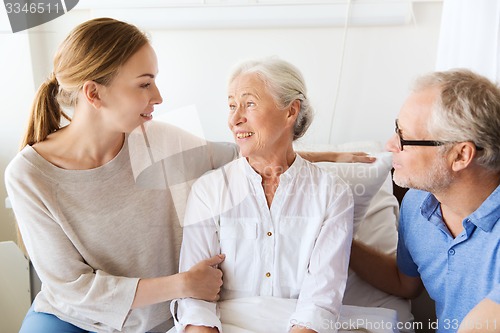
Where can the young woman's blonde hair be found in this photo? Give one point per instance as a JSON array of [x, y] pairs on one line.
[[94, 51]]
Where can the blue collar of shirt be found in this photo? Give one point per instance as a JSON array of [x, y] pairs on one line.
[[485, 217]]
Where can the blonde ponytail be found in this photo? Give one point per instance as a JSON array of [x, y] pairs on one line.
[[44, 119], [46, 113]]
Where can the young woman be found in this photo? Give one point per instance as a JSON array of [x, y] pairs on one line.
[[105, 250]]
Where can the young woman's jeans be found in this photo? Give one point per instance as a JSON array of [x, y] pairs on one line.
[[40, 322]]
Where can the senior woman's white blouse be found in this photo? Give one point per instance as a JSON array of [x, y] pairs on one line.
[[298, 248]]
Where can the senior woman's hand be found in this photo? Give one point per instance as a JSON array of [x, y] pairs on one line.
[[301, 329], [340, 157], [200, 329]]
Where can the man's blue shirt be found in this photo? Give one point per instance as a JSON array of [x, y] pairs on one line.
[[457, 272]]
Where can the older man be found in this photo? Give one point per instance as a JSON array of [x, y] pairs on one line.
[[447, 149]]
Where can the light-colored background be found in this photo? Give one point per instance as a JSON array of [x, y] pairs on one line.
[[379, 64]]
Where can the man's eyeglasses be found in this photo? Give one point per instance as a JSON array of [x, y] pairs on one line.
[[428, 143], [403, 142]]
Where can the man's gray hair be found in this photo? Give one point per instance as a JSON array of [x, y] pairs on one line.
[[467, 109]]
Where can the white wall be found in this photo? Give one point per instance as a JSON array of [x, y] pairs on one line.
[[16, 93], [380, 63]]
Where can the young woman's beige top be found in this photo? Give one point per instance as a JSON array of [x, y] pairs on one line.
[[91, 234]]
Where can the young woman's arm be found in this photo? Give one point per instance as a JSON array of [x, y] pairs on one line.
[[202, 281]]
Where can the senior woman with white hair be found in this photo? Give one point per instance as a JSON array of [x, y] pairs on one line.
[[284, 224]]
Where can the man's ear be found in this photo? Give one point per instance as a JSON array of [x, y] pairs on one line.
[[462, 155], [91, 91]]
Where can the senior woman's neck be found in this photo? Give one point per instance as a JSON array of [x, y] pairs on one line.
[[272, 166]]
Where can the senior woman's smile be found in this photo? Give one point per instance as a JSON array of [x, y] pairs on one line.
[[243, 135]]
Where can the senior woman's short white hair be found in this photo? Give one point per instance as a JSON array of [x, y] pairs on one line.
[[285, 83]]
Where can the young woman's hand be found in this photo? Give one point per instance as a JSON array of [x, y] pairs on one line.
[[203, 280]]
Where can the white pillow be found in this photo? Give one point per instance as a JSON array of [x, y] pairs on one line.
[[364, 179], [378, 229]]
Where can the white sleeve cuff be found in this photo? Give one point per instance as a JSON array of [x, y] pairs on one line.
[[316, 318], [189, 311]]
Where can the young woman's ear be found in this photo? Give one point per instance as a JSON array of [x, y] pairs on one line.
[[91, 92]]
